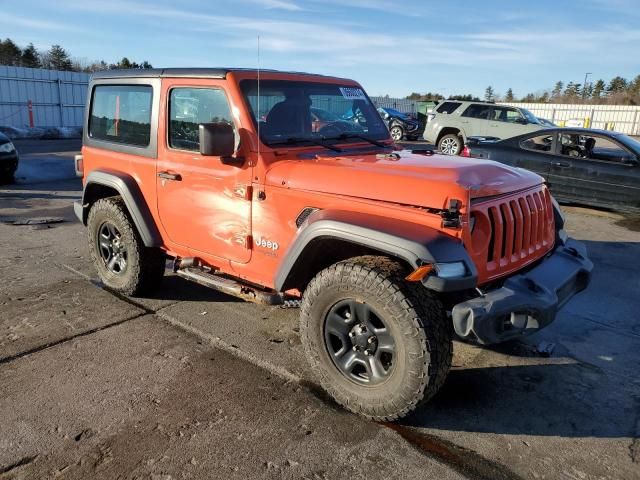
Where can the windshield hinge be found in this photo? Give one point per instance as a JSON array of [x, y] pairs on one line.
[[451, 216]]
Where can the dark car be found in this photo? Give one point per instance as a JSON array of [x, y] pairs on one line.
[[401, 125], [8, 159], [330, 124], [584, 166]]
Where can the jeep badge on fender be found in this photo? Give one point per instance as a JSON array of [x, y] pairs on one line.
[[387, 267]]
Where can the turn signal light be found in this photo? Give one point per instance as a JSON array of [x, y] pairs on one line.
[[419, 273], [466, 152]]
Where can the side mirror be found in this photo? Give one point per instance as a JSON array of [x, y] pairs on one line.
[[521, 121], [218, 140], [631, 161]]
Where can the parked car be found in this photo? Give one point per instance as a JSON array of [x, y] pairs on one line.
[[401, 125], [330, 124], [387, 252], [454, 121], [585, 166], [8, 159]]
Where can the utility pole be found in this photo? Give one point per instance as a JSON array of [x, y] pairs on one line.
[[584, 85]]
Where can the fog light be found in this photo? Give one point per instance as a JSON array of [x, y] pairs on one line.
[[451, 270]]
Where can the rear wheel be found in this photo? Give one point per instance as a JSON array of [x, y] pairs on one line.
[[396, 133], [123, 263], [377, 344], [450, 144]]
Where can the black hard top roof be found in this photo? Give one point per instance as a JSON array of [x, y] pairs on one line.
[[184, 72]]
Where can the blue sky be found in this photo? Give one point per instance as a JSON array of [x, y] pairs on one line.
[[390, 46]]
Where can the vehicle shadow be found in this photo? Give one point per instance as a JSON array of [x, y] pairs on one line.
[[564, 400], [178, 289]]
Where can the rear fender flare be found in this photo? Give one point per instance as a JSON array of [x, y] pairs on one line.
[[129, 191]]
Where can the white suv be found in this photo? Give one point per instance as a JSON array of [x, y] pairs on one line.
[[453, 121]]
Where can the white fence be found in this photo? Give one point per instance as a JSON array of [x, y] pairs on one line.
[[57, 98], [620, 118], [401, 104]]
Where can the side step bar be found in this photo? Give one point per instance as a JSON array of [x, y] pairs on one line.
[[229, 286]]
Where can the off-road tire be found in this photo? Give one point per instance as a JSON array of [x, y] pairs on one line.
[[415, 317], [452, 137], [145, 266]]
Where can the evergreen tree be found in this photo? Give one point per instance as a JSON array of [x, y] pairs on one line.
[[598, 89], [30, 57], [634, 87], [570, 90], [10, 53], [557, 90], [58, 59], [617, 84], [529, 98], [509, 96], [489, 94]]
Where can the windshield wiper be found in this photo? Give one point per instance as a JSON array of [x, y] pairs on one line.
[[296, 140], [345, 136]]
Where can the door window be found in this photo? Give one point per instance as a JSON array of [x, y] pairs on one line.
[[594, 147], [477, 111], [539, 143], [188, 108]]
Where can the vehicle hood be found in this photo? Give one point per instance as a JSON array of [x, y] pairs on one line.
[[402, 177]]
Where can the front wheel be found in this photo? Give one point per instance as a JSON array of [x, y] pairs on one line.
[[396, 133], [450, 144], [377, 344]]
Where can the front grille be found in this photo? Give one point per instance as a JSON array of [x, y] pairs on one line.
[[511, 232]]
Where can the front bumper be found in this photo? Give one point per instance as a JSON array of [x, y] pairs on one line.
[[8, 162], [528, 301]]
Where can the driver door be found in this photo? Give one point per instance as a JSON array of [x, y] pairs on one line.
[[203, 204]]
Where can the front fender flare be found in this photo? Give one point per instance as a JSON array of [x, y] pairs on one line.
[[414, 243]]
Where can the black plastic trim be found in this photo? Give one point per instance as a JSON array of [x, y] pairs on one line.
[[414, 243], [133, 199], [537, 293]]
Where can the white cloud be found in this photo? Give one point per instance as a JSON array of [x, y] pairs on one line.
[[30, 22], [277, 5]]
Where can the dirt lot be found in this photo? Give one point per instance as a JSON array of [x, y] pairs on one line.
[[195, 384]]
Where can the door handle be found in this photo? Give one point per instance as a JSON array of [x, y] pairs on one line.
[[561, 164], [170, 176]]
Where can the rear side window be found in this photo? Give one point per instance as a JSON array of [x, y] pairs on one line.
[[188, 108], [121, 114], [448, 107], [477, 111]]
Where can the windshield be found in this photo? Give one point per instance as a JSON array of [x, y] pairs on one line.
[[531, 118], [627, 141], [396, 113], [314, 111]]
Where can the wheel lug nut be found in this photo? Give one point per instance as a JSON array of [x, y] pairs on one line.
[[352, 334], [354, 348], [371, 339], [366, 352]]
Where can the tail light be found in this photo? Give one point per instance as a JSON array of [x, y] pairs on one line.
[[466, 152], [79, 165]]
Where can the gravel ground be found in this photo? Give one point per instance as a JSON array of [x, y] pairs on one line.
[[195, 384]]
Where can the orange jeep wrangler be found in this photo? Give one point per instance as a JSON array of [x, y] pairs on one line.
[[388, 252]]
